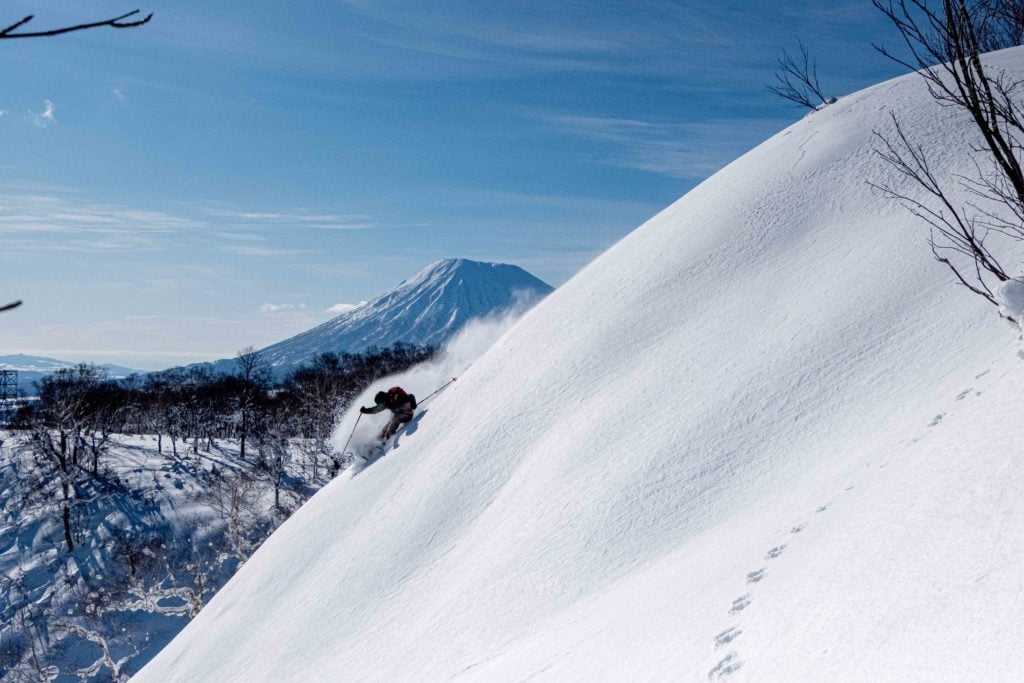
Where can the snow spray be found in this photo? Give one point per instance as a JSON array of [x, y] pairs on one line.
[[422, 380]]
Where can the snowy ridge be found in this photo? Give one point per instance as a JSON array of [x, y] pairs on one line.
[[31, 369], [43, 365], [761, 438], [428, 308]]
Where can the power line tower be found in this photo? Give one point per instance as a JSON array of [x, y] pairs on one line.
[[8, 395]]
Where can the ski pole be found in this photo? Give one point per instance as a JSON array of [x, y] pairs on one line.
[[345, 449], [438, 391]]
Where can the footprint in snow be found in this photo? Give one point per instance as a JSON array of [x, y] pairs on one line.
[[740, 604], [937, 419], [979, 376], [731, 664], [797, 529], [755, 576], [964, 394], [775, 552], [727, 636], [823, 507]]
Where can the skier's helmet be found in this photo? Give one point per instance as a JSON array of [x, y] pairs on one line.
[[381, 397]]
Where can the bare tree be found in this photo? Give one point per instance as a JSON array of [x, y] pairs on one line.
[[54, 478], [945, 47], [123, 21], [235, 495], [254, 378], [55, 439], [1000, 23], [797, 79], [275, 448]]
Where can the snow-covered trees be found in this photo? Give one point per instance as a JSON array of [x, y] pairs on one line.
[[62, 434], [194, 408], [253, 381], [134, 536]]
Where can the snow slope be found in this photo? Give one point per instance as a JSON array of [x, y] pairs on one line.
[[762, 438], [427, 309]]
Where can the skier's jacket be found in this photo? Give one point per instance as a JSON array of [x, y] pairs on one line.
[[394, 399]]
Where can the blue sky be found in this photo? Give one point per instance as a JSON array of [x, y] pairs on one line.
[[233, 172]]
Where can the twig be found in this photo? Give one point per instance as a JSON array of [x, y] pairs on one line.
[[116, 22]]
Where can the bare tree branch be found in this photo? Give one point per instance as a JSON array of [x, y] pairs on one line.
[[945, 50], [10, 306], [798, 80], [116, 22], [1000, 23]]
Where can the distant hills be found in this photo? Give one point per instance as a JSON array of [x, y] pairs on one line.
[[33, 368], [428, 308]]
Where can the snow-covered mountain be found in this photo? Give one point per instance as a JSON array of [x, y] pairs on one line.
[[428, 308], [33, 368], [764, 437]]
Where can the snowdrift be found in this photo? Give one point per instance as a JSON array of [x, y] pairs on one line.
[[763, 437]]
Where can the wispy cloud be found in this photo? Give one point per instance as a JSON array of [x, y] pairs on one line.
[[33, 217], [46, 117], [338, 309], [281, 308], [689, 150], [555, 205], [644, 36], [239, 236], [252, 250], [119, 95], [41, 220], [305, 219]]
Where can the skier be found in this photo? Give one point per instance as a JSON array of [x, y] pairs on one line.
[[401, 405]]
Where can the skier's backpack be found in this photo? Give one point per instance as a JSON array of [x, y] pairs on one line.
[[399, 396]]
